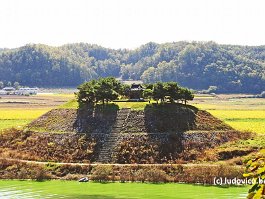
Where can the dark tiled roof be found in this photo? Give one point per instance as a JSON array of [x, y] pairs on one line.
[[133, 86]]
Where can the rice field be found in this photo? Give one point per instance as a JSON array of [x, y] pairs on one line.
[[18, 118], [21, 114], [5, 124], [18, 111], [244, 114]]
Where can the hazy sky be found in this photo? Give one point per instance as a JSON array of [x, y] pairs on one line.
[[130, 23]]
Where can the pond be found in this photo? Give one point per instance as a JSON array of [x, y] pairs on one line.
[[71, 189]]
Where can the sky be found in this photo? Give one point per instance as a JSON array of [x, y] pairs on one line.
[[131, 23]]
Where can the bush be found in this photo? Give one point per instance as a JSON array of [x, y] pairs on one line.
[[22, 174], [151, 174], [102, 173], [41, 174], [125, 174], [156, 175], [140, 175]]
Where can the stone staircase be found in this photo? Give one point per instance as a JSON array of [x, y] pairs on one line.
[[107, 151]]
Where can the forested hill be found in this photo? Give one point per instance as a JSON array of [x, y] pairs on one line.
[[196, 65]]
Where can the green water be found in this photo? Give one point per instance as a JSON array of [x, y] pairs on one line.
[[71, 189]]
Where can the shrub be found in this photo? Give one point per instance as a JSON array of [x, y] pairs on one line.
[[102, 173], [255, 169], [125, 174], [156, 175], [151, 174], [22, 174], [41, 174], [140, 175]]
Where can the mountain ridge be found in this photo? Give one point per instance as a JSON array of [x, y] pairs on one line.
[[197, 65]]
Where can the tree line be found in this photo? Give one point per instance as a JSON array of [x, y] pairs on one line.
[[196, 65], [109, 89]]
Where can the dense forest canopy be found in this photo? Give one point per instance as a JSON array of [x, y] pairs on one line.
[[196, 65]]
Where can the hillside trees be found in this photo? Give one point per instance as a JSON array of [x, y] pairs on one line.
[[16, 85], [196, 65], [200, 65]]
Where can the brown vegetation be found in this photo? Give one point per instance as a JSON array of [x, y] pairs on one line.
[[67, 147], [56, 120], [134, 173], [174, 148], [205, 121]]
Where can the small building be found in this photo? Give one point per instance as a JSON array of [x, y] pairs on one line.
[[2, 92], [9, 90], [27, 91], [136, 91]]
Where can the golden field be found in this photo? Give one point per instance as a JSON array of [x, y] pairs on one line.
[[17, 111], [245, 114]]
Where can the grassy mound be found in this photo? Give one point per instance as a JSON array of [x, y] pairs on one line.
[[160, 133], [161, 118]]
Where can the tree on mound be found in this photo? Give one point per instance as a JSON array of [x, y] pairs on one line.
[[109, 89], [186, 94], [159, 92], [171, 91], [104, 90], [87, 92]]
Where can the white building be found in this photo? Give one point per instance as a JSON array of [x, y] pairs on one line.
[[8, 90], [27, 91], [2, 92]]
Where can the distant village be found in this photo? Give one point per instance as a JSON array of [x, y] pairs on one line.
[[19, 91]]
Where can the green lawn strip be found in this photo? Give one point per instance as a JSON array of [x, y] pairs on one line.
[[71, 104], [73, 189], [43, 130], [257, 141], [133, 105], [4, 124], [245, 120]]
